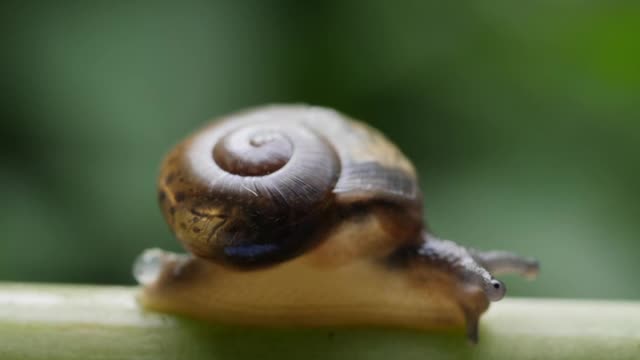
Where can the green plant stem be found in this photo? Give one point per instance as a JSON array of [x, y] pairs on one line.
[[99, 322]]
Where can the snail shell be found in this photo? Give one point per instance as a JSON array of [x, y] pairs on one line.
[[262, 186]]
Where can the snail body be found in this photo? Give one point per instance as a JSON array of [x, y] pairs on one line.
[[297, 215]]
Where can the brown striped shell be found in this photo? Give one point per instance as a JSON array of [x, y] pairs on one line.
[[262, 186]]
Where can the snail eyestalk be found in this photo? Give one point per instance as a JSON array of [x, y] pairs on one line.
[[504, 262], [476, 275], [478, 268]]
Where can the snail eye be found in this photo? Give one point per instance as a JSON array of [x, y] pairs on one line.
[[497, 290]]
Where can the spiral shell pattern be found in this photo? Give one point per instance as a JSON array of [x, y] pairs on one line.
[[269, 161]]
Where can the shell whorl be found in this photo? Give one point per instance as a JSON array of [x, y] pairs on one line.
[[278, 161], [253, 152]]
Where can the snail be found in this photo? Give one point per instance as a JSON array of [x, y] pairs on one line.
[[295, 215]]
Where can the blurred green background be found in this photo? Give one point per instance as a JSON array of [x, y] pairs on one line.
[[523, 119]]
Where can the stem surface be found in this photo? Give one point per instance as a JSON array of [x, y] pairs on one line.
[[40, 321]]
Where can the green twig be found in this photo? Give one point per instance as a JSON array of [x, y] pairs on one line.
[[94, 322]]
